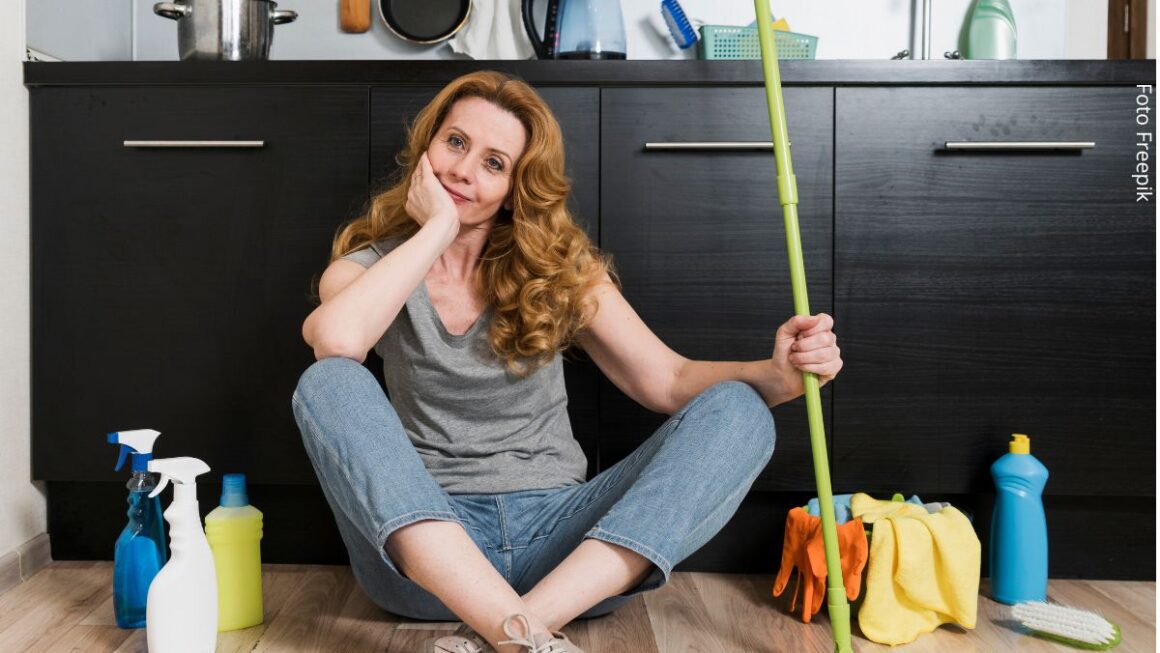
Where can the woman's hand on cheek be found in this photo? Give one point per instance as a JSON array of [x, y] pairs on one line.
[[806, 343], [427, 200]]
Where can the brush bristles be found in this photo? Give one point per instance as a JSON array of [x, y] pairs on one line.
[[1072, 623]]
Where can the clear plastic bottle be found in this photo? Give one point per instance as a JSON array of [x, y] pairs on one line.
[[234, 531], [1019, 526], [140, 551]]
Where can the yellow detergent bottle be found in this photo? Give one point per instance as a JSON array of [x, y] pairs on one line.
[[234, 531]]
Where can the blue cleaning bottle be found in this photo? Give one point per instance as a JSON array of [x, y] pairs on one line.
[[140, 550], [1019, 526]]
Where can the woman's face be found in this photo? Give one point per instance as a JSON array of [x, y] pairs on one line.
[[473, 155]]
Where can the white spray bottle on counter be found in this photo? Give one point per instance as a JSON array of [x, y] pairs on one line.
[[181, 612]]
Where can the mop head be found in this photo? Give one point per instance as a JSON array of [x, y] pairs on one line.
[[1071, 626]]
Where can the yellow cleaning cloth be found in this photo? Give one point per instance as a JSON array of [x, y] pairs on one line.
[[924, 570]]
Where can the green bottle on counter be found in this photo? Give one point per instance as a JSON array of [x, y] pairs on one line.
[[991, 31]]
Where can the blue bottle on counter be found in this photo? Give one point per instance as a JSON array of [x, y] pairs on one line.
[[140, 550], [1019, 526]]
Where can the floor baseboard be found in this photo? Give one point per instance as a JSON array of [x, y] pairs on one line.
[[35, 554], [24, 561], [9, 571]]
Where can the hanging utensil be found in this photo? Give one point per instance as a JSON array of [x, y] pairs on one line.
[[424, 21], [355, 15]]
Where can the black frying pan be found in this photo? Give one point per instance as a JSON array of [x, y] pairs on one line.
[[424, 21]]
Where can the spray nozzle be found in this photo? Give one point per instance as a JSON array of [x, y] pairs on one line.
[[183, 471], [139, 443]]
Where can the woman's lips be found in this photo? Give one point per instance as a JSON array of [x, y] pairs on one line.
[[456, 196]]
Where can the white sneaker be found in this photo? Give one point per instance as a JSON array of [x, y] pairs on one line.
[[551, 643], [457, 644]]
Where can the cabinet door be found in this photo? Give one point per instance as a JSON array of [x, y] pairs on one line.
[[698, 238], [576, 109], [982, 293], [169, 284]]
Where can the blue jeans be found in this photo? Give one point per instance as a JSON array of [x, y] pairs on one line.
[[664, 501]]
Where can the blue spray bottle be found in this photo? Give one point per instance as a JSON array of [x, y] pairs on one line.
[[140, 551], [1019, 526]]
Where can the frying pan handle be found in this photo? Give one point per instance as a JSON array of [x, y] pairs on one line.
[[281, 16], [173, 10]]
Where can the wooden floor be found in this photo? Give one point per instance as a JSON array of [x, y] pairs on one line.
[[68, 607]]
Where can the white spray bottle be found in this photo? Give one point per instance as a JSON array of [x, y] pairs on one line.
[[181, 612]]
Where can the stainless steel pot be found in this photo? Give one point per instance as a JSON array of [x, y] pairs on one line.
[[233, 30]]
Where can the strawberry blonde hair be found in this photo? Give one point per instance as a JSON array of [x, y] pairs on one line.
[[537, 267]]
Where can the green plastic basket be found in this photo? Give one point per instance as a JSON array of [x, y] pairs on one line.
[[732, 42]]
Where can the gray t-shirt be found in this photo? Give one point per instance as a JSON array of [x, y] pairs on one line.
[[478, 428]]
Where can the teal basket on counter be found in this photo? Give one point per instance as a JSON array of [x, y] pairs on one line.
[[732, 42]]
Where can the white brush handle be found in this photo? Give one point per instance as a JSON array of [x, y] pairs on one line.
[[1072, 623]]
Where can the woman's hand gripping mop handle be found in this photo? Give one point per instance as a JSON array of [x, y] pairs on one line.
[[839, 609]]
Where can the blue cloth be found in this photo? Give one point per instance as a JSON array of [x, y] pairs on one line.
[[664, 501], [842, 507]]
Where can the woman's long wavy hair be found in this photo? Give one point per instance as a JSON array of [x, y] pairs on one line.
[[537, 267]]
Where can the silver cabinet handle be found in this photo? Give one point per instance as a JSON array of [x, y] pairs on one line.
[[1019, 145], [719, 145], [172, 144]]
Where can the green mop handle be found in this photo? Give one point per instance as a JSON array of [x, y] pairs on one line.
[[787, 195]]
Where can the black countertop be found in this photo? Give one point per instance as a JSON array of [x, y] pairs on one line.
[[828, 72]]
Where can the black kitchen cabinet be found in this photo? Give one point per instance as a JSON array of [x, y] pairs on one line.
[[975, 293], [169, 284], [981, 293], [577, 110], [698, 238]]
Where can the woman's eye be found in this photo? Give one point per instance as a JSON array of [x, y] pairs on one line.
[[455, 141], [495, 164]]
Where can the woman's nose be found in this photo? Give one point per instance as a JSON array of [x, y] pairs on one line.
[[460, 168]]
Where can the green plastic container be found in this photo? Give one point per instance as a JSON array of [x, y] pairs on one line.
[[732, 42], [991, 31]]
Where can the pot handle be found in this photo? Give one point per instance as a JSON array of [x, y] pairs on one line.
[[172, 10], [281, 16]]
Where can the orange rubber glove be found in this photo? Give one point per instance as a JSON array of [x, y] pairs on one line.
[[804, 550]]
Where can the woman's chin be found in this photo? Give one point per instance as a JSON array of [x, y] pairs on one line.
[[472, 220]]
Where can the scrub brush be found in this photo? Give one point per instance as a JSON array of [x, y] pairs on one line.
[[1071, 626], [679, 24]]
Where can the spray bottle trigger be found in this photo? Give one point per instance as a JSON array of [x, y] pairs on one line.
[[125, 451], [160, 486]]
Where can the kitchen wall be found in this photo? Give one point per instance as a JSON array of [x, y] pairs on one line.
[[22, 514], [847, 29], [93, 30], [1152, 22]]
